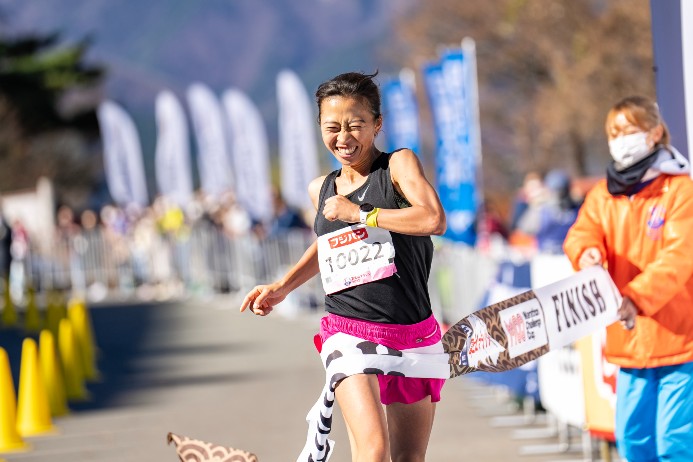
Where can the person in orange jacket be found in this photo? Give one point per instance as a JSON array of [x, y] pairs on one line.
[[638, 223]]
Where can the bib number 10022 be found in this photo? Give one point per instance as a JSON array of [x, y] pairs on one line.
[[353, 257]]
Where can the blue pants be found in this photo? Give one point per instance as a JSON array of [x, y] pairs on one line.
[[654, 413]]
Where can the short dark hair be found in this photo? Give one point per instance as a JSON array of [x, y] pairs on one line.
[[351, 85]]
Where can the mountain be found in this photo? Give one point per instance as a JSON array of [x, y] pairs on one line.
[[152, 45]]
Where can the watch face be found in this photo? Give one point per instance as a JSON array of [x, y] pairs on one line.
[[366, 207]]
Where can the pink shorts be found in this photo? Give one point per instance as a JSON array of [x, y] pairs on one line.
[[393, 389]]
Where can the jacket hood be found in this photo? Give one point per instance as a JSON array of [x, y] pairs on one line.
[[670, 162]]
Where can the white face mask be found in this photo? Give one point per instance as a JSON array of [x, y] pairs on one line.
[[630, 149]]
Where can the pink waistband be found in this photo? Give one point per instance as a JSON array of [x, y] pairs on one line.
[[398, 336]]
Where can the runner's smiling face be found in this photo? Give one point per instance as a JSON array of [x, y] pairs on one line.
[[348, 129]]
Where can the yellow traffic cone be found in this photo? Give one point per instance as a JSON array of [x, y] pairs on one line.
[[10, 440], [54, 313], [72, 364], [32, 318], [53, 376], [81, 325], [33, 412], [9, 314]]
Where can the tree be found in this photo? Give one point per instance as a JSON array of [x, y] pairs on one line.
[[48, 96], [548, 72]]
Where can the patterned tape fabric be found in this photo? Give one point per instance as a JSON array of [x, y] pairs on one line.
[[192, 450]]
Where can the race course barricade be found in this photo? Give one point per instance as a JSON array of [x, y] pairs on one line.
[[599, 384], [512, 278]]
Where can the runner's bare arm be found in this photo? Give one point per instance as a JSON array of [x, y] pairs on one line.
[[425, 216], [262, 298]]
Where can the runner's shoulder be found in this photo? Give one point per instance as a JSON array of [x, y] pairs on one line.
[[314, 189], [404, 162], [403, 155]]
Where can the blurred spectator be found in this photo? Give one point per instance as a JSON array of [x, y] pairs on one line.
[[557, 214], [536, 196], [173, 225], [66, 231], [19, 252], [89, 221], [20, 241], [66, 225], [526, 212], [221, 223], [492, 222], [114, 220], [116, 230], [151, 258], [235, 220], [171, 218], [92, 255], [285, 217], [493, 234], [5, 245], [530, 188]]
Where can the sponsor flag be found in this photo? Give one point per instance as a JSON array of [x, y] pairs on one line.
[[451, 88], [672, 43], [687, 47], [213, 159], [122, 156], [250, 155], [298, 153], [400, 112], [172, 157]]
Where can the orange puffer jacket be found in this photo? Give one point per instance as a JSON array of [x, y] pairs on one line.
[[646, 241]]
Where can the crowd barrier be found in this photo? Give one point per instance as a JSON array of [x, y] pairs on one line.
[[201, 260], [204, 260]]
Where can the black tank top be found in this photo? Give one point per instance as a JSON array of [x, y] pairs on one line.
[[403, 297]]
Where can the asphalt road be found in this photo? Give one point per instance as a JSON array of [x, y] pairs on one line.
[[202, 369]]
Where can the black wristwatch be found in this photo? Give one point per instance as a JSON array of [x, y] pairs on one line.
[[364, 210]]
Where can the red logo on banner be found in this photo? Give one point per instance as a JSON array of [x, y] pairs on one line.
[[517, 333]]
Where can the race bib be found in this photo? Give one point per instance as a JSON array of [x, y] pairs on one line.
[[355, 255]]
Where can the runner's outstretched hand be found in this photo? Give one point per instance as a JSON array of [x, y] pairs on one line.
[[261, 299]]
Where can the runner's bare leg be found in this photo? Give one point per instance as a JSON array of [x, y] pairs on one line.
[[359, 400], [410, 427]]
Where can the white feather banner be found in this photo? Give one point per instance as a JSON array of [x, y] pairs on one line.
[[213, 158], [298, 153], [122, 156], [250, 155], [173, 174]]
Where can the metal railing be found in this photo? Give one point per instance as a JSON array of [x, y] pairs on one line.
[[204, 260]]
